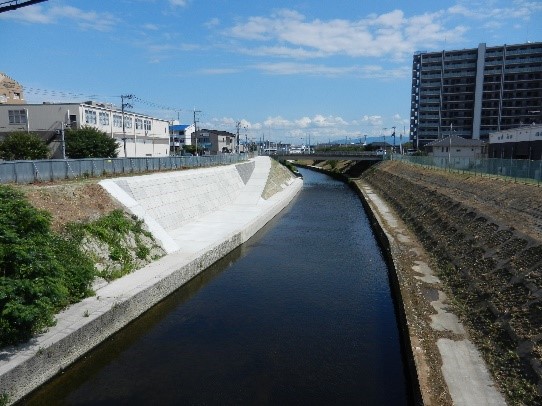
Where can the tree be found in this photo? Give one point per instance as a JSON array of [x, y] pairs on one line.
[[23, 145], [40, 271], [89, 142]]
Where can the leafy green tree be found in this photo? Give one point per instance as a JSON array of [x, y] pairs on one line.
[[23, 145], [88, 142], [40, 271]]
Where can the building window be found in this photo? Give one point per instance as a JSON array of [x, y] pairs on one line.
[[17, 116], [90, 116], [128, 122], [138, 124], [117, 120], [147, 125], [104, 118]]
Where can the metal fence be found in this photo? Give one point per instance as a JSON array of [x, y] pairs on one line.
[[518, 169], [57, 169]]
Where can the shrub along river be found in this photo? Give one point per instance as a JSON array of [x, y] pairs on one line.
[[300, 314]]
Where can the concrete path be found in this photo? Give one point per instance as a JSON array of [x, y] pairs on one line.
[[465, 372]]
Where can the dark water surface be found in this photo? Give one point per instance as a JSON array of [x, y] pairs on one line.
[[301, 314]]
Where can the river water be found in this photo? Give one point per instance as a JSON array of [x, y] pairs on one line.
[[300, 314]]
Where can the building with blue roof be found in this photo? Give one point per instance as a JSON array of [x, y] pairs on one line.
[[179, 136]]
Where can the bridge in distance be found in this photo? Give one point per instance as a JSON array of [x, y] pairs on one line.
[[331, 155]]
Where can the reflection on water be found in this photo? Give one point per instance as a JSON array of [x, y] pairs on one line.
[[301, 314]]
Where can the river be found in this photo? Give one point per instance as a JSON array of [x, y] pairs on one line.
[[300, 314]]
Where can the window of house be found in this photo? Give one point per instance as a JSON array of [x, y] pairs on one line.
[[17, 116], [128, 122], [138, 124], [90, 116], [104, 118], [117, 120], [147, 125]]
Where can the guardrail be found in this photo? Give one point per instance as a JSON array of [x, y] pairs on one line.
[[518, 169], [58, 169]]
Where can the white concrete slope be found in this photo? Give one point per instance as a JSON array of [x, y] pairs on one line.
[[197, 215]]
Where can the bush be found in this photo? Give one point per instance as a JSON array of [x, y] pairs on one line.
[[89, 142], [40, 271], [22, 145]]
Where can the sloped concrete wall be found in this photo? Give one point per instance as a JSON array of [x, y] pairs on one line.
[[226, 205]]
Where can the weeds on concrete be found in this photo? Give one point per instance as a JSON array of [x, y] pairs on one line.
[[4, 399], [118, 242]]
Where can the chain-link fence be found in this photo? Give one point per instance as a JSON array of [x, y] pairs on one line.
[[56, 169], [519, 169]]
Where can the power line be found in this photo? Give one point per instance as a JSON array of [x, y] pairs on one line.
[[72, 95]]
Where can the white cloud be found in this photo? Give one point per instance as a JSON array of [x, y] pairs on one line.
[[150, 27], [372, 120], [289, 68], [365, 72], [278, 122], [489, 10], [320, 127], [88, 20], [289, 34], [213, 22], [391, 34], [178, 3], [219, 71]]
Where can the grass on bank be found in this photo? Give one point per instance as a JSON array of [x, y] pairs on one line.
[[42, 272]]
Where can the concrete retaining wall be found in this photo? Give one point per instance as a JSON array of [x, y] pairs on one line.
[[221, 218]]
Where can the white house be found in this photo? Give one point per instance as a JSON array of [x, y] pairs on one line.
[[137, 135], [456, 150], [180, 135]]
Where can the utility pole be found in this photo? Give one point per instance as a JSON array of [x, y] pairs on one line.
[[196, 128], [238, 125], [123, 105], [393, 135], [246, 139]]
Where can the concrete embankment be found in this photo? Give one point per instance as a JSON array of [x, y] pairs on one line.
[[198, 216], [484, 237]]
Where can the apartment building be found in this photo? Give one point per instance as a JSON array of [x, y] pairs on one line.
[[214, 142], [472, 92], [137, 135]]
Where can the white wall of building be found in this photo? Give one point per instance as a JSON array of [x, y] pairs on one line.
[[521, 134], [142, 135]]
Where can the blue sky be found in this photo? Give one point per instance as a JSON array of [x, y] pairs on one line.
[[286, 69]]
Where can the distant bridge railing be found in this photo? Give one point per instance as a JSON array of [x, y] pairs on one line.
[[47, 170], [339, 155], [519, 169]]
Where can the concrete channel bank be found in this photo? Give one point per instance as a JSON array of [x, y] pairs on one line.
[[198, 216], [440, 356]]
